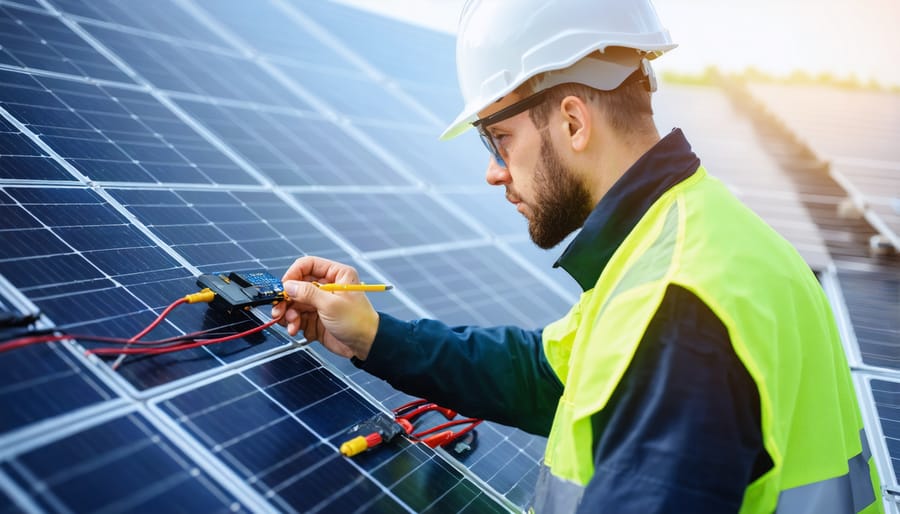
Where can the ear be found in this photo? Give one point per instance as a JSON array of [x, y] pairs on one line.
[[577, 121]]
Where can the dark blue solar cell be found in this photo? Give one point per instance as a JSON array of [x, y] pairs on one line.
[[387, 221], [295, 149], [42, 41], [12, 217], [887, 402], [32, 167], [330, 422], [487, 288], [21, 157], [179, 67], [278, 454], [121, 236], [7, 506], [213, 229], [57, 475], [868, 294], [100, 131], [27, 243], [163, 16], [43, 381], [71, 291]]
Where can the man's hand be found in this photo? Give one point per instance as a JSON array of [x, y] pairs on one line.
[[344, 322]]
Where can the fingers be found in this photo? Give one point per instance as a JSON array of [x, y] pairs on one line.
[[305, 300], [320, 269], [307, 297]]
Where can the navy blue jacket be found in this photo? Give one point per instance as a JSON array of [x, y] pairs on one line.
[[681, 432]]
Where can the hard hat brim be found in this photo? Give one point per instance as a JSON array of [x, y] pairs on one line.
[[605, 71]]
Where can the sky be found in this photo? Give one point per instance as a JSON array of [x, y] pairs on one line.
[[839, 37]]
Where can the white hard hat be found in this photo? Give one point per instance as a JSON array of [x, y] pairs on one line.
[[503, 43]]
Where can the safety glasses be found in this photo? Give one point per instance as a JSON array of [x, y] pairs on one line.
[[529, 102], [490, 142]]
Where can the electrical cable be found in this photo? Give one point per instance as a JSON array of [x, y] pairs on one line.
[[150, 327], [153, 347], [190, 343]]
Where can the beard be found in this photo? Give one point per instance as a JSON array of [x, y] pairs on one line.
[[562, 202]]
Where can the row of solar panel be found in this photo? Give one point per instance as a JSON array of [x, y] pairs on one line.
[[97, 259], [215, 122]]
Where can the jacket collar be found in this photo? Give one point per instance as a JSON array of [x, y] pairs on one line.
[[670, 161]]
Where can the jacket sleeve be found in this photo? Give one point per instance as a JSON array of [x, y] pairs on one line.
[[498, 373], [681, 432]]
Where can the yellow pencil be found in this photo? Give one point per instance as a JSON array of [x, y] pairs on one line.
[[368, 288]]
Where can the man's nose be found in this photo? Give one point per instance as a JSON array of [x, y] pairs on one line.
[[496, 175]]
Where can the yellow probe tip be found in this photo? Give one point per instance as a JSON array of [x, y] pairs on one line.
[[354, 446], [204, 296]]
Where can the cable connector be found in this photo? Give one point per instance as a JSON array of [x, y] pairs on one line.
[[378, 429], [205, 295]]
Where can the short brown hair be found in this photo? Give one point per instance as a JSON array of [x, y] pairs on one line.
[[627, 108]]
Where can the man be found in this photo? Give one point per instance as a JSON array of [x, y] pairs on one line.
[[701, 370]]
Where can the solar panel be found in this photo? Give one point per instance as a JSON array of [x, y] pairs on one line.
[[34, 39], [114, 134], [278, 425], [855, 131], [101, 459], [142, 146], [138, 150], [882, 400], [725, 141], [867, 295]]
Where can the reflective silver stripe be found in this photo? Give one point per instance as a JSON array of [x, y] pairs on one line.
[[847, 493], [554, 494]]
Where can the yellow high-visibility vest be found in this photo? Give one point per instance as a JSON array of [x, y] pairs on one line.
[[700, 237]]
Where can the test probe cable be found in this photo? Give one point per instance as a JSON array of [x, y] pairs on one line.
[[135, 345]]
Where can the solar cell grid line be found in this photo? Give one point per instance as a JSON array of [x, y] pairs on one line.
[[269, 31], [154, 16], [287, 448], [13, 500], [89, 270], [421, 80], [323, 108], [237, 230], [489, 207], [459, 162], [114, 134], [883, 391], [347, 85], [868, 296], [177, 65], [394, 301], [41, 382], [35, 39], [34, 4], [874, 187], [60, 471], [354, 95], [383, 221], [511, 471], [293, 148], [540, 263], [22, 158], [474, 286]]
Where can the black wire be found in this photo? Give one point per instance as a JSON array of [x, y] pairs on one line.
[[14, 319]]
